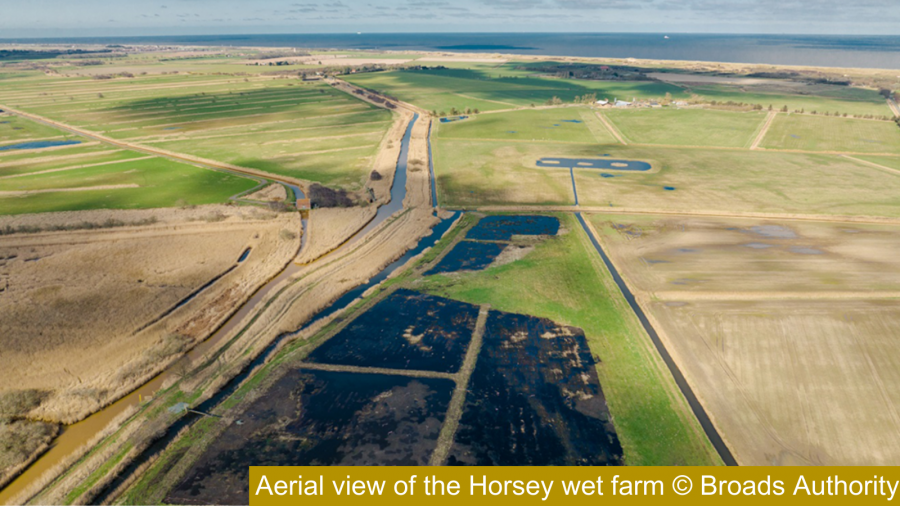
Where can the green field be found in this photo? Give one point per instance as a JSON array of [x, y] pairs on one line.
[[823, 133], [283, 126], [14, 130], [483, 89], [821, 98], [564, 280], [160, 183], [571, 124], [474, 173], [687, 127], [481, 173], [129, 180], [886, 161]]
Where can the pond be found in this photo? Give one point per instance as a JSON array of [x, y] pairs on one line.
[[594, 163], [38, 145]]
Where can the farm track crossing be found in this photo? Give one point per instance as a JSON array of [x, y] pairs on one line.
[[158, 152]]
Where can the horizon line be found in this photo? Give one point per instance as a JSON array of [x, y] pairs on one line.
[[362, 33]]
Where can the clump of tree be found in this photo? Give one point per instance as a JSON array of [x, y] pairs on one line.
[[376, 176], [323, 196], [587, 98], [554, 101]]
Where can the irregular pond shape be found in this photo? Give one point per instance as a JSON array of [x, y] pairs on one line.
[[594, 163], [454, 118], [773, 231], [468, 255], [502, 228], [534, 399], [669, 188], [806, 250], [406, 330], [321, 418]]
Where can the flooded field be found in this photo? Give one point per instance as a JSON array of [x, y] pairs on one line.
[[468, 256], [736, 255], [475, 255], [502, 228], [407, 330], [534, 399], [321, 418]]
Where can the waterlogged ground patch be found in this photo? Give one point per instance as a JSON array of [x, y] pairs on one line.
[[321, 418], [38, 145], [502, 228], [534, 399], [407, 330], [468, 256]]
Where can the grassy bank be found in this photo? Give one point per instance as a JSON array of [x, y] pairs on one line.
[[562, 279]]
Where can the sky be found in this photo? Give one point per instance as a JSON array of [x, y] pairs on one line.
[[73, 18]]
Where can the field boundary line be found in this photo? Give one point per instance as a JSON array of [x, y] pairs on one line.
[[458, 401], [414, 373], [770, 296], [182, 133], [31, 139], [21, 193], [46, 159], [894, 107], [770, 118], [76, 167], [490, 139], [171, 155], [185, 136], [463, 95], [875, 220], [612, 129], [695, 405], [873, 164]]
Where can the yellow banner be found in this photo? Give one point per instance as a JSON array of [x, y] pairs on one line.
[[336, 486]]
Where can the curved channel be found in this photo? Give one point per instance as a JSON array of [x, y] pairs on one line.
[[72, 437]]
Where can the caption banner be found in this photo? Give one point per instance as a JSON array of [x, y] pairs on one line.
[[570, 485]]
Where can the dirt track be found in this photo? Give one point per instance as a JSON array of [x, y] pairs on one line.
[[307, 290], [612, 129], [762, 133], [196, 160], [699, 212]]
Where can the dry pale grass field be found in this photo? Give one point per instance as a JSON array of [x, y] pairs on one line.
[[20, 439], [784, 329], [728, 257], [70, 297], [793, 382], [272, 193], [328, 228], [385, 164]]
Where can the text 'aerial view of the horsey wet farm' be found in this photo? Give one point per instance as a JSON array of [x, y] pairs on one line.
[[523, 240]]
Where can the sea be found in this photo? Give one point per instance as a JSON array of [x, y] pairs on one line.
[[872, 51]]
